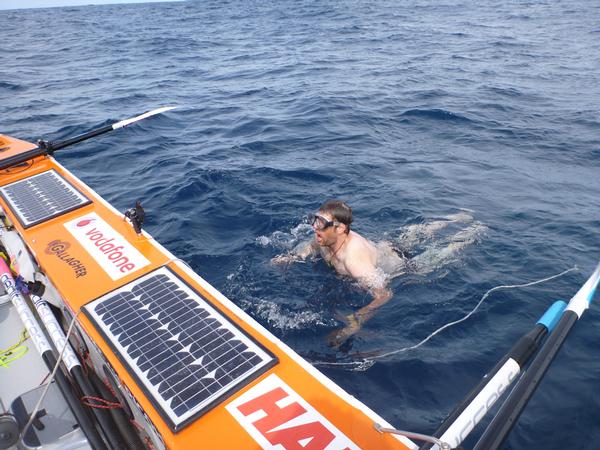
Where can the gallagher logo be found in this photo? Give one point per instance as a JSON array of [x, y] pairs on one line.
[[278, 418], [109, 249], [59, 249]]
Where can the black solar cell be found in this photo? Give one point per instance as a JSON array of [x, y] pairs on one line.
[[184, 353], [42, 197]]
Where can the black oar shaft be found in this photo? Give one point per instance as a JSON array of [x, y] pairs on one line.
[[523, 349], [49, 147], [482, 397], [47, 355], [498, 430], [45, 148], [81, 416], [22, 157], [102, 416], [82, 137]]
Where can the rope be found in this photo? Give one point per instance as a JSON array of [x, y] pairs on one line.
[[15, 351], [148, 443], [109, 387], [99, 402], [366, 363], [9, 261]]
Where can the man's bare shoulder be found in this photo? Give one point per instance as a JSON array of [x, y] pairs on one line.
[[361, 256], [361, 248]]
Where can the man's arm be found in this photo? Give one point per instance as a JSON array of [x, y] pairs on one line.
[[373, 280], [355, 320], [299, 253], [380, 297]]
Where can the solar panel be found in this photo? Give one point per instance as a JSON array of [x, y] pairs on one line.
[[183, 352], [41, 197]]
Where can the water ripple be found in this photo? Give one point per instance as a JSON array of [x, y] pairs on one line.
[[410, 111]]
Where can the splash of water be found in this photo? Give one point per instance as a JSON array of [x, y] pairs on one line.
[[283, 318], [431, 246], [281, 240]]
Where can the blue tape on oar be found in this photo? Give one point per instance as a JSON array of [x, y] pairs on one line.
[[552, 315], [510, 411], [482, 397]]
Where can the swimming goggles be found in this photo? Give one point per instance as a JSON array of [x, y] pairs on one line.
[[321, 223]]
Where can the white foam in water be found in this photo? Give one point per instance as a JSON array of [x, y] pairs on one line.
[[447, 250], [416, 234], [470, 235], [432, 245], [242, 289], [263, 241], [286, 241], [281, 319]]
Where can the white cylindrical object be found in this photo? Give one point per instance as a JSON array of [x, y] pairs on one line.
[[35, 332], [56, 333], [480, 405]]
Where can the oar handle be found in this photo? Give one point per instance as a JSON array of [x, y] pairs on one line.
[[510, 411], [50, 146]]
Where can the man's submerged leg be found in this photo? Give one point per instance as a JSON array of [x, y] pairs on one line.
[[420, 233]]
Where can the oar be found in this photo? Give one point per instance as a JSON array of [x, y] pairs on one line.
[[482, 397], [74, 367], [43, 346], [47, 148], [498, 430]]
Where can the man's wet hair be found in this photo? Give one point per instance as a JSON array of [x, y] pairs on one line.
[[339, 210]]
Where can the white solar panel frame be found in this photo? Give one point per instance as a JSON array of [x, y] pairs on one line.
[[18, 211], [177, 423]]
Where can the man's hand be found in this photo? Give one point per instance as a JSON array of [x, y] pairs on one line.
[[280, 260], [299, 253], [355, 321], [338, 337]]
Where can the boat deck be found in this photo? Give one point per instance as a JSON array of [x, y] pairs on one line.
[[192, 365]]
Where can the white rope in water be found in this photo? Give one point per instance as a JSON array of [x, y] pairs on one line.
[[52, 375], [366, 363]]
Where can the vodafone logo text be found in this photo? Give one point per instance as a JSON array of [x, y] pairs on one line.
[[108, 248]]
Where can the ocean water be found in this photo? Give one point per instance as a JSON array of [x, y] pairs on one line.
[[409, 111]]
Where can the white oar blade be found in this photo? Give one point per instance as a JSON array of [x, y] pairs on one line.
[[581, 301], [124, 123]]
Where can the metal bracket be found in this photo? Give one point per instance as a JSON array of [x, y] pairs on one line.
[[411, 435], [136, 216]]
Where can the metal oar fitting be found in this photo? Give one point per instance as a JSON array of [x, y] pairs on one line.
[[411, 435]]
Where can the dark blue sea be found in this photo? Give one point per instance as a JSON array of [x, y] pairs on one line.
[[410, 111]]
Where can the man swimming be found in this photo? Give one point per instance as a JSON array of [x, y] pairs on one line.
[[374, 264], [349, 254]]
